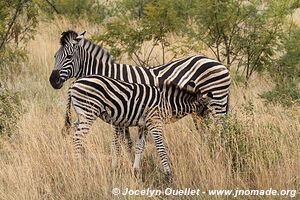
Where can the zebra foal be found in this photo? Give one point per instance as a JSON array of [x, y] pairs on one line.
[[123, 105]]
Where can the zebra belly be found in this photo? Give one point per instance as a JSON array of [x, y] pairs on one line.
[[123, 121], [112, 121]]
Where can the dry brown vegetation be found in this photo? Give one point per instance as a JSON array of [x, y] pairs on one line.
[[258, 150]]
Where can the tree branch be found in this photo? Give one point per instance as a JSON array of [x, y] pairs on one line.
[[52, 5], [12, 22]]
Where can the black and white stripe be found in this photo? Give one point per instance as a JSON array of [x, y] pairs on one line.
[[196, 74], [78, 57], [128, 104]]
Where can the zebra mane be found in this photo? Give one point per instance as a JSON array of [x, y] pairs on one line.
[[98, 51], [67, 37], [174, 87]]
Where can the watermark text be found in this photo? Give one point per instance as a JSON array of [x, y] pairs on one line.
[[148, 192]]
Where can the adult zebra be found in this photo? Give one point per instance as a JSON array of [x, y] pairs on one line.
[[196, 74], [128, 104]]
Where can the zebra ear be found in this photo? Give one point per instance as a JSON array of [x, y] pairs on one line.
[[83, 33], [78, 38], [205, 98]]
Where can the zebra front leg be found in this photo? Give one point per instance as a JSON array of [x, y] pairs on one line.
[[139, 150], [78, 139], [82, 127], [155, 128]]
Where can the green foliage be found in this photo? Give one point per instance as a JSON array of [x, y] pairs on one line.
[[261, 36], [160, 19], [137, 22], [216, 25], [122, 38], [18, 20], [10, 109], [92, 10], [287, 68], [233, 140], [68, 8], [248, 33], [236, 142], [245, 32], [97, 13], [286, 72], [133, 9], [286, 94]]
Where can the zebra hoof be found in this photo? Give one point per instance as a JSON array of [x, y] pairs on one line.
[[114, 163], [65, 132], [168, 177], [136, 172]]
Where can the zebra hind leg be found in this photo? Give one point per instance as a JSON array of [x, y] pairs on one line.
[[138, 151], [155, 128], [82, 127], [116, 146]]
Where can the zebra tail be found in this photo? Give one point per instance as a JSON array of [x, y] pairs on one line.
[[67, 127], [227, 107]]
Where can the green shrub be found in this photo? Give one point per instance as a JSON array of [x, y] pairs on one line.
[[285, 94], [138, 22], [286, 72], [18, 20], [232, 141], [93, 11], [10, 109], [240, 147]]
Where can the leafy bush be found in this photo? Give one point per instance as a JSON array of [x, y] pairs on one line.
[[232, 142], [286, 72], [18, 20], [92, 10], [138, 22], [286, 95], [246, 33], [10, 109], [287, 67]]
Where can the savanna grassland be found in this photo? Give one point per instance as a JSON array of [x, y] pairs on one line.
[[259, 148]]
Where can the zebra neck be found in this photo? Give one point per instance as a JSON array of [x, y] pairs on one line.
[[180, 102], [96, 61], [91, 63], [97, 52]]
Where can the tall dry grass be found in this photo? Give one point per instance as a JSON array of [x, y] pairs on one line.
[[259, 148]]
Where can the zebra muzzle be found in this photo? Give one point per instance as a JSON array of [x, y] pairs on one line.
[[55, 80]]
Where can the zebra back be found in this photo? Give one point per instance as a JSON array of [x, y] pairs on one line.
[[116, 102]]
